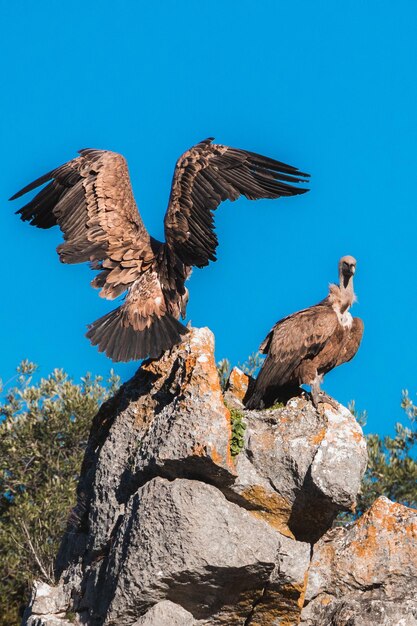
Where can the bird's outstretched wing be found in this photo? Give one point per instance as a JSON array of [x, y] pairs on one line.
[[296, 337], [91, 199], [206, 175]]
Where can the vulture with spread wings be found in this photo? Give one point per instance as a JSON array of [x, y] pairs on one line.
[[90, 198], [304, 346]]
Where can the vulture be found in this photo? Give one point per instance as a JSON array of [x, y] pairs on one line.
[[91, 199], [304, 346]]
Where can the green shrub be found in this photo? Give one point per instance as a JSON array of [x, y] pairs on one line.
[[392, 464], [43, 435], [238, 431]]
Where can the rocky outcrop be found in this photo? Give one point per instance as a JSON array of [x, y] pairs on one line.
[[366, 574], [299, 468], [170, 528]]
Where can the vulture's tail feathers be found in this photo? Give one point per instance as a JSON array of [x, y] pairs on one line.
[[256, 400], [265, 397], [121, 342], [265, 377]]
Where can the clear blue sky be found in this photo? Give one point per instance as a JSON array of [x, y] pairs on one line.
[[327, 86]]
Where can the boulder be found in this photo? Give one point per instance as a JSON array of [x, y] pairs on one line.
[[300, 467], [366, 574], [48, 606], [166, 613]]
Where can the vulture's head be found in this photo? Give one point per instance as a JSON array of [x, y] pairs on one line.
[[347, 266]]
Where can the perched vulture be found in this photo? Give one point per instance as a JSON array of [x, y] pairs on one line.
[[302, 347], [90, 198]]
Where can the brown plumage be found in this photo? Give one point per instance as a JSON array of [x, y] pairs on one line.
[[91, 200], [302, 347]]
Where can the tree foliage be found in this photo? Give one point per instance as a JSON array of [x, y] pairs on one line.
[[43, 433], [392, 463]]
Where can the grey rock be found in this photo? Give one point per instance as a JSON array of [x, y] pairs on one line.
[[47, 599], [300, 467], [47, 607], [166, 613], [169, 420], [190, 435], [48, 620], [341, 458], [168, 528], [183, 541], [366, 574], [368, 612], [282, 597]]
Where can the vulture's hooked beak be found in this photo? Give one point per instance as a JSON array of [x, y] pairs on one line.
[[348, 270]]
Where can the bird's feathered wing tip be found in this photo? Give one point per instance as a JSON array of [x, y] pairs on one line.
[[257, 160], [36, 183], [39, 211], [122, 342]]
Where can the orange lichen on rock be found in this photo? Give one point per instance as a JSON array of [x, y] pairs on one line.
[[270, 507], [318, 437], [390, 517], [366, 544], [182, 400], [373, 560], [216, 456], [238, 383], [386, 525], [280, 605], [357, 436], [202, 347], [303, 589]]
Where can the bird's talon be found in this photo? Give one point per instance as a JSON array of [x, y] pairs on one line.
[[323, 398]]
